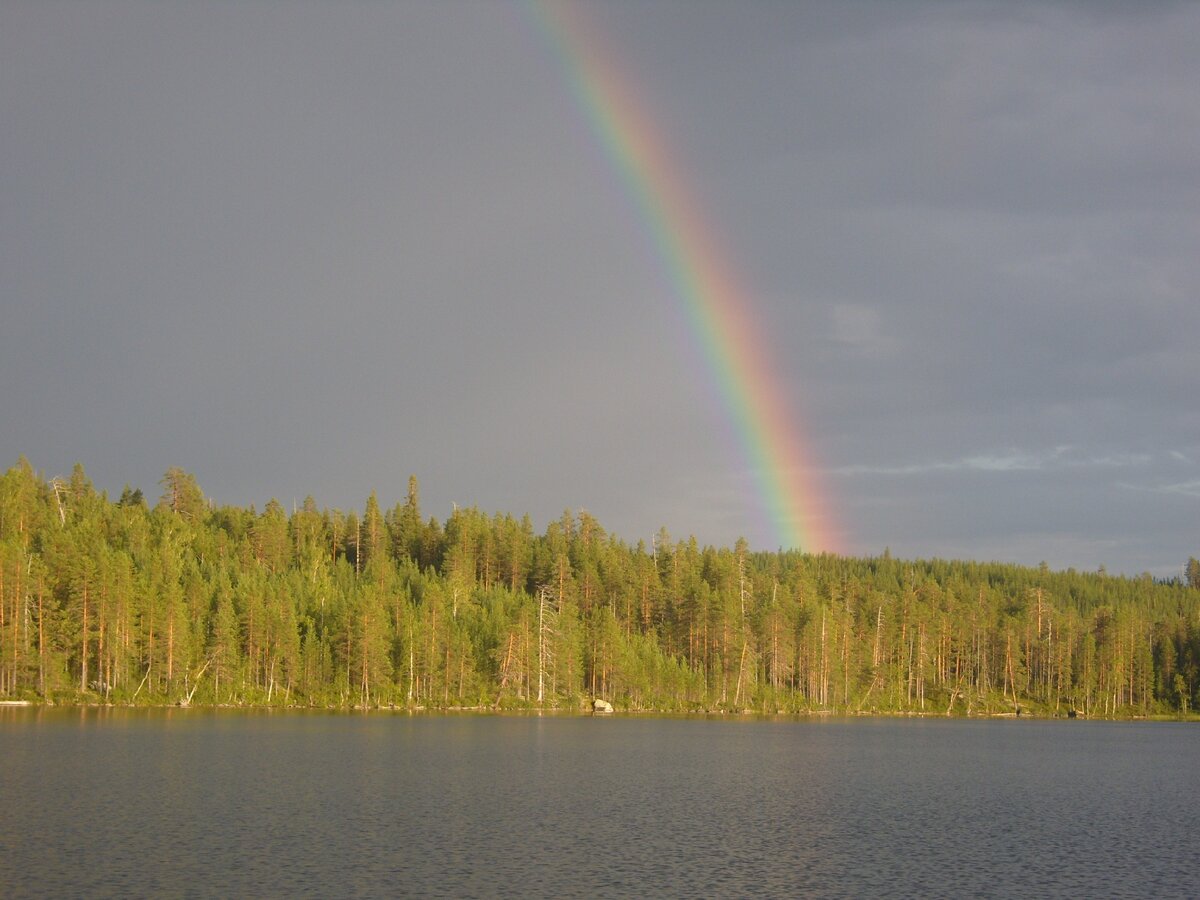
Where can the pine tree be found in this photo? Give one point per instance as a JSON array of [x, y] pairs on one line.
[[1192, 572], [182, 495]]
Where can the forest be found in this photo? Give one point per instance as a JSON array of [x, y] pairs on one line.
[[184, 602]]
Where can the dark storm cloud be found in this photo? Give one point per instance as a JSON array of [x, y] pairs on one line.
[[315, 247]]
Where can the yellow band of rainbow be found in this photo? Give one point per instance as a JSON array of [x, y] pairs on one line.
[[715, 306]]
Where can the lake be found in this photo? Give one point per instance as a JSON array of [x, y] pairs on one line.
[[220, 803]]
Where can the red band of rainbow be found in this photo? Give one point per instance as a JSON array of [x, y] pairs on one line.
[[714, 303]]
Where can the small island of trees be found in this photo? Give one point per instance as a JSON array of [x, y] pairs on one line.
[[185, 602]]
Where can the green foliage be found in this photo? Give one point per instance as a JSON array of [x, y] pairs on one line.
[[1192, 572], [115, 602]]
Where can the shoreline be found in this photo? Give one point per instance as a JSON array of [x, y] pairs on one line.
[[586, 712]]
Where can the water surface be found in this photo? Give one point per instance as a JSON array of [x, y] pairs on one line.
[[217, 803]]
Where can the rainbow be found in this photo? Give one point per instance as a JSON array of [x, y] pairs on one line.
[[714, 302]]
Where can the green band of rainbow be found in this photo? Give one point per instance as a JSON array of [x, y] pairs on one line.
[[713, 302]]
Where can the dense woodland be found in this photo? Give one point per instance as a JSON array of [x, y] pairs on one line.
[[185, 602]]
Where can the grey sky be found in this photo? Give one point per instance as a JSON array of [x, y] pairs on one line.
[[316, 247]]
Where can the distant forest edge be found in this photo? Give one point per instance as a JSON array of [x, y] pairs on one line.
[[190, 603]]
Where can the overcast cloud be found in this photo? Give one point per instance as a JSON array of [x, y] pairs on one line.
[[311, 248]]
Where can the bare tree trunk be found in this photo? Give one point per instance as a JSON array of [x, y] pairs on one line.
[[41, 637], [824, 686], [83, 668], [3, 622], [878, 638], [741, 665]]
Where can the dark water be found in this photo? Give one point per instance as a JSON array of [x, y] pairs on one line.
[[194, 803]]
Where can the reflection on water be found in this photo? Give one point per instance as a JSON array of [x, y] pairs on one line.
[[217, 803]]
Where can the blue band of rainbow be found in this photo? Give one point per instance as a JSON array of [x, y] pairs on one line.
[[715, 306]]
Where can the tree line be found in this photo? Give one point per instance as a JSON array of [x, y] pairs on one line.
[[186, 602]]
